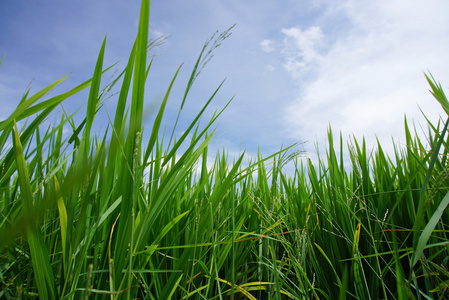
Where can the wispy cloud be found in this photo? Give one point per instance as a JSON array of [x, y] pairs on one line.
[[371, 74], [267, 45], [300, 49]]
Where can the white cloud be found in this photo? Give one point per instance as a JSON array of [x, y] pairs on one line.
[[267, 46], [299, 49], [373, 72]]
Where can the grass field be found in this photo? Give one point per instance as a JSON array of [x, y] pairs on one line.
[[128, 215]]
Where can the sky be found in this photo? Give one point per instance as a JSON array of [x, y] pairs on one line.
[[293, 67]]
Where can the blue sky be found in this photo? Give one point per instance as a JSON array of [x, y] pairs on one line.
[[294, 66]]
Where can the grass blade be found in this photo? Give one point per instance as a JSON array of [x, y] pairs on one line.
[[39, 254]]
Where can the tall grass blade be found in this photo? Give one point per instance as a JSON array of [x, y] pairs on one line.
[[438, 92], [39, 254], [430, 226], [62, 217], [21, 111]]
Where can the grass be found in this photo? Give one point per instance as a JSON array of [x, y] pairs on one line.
[[119, 216]]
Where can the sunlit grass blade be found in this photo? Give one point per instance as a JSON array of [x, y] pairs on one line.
[[62, 216], [20, 112]]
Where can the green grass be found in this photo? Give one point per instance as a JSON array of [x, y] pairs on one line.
[[125, 215]]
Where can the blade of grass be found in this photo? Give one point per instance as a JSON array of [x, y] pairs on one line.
[[39, 254], [439, 95], [427, 232]]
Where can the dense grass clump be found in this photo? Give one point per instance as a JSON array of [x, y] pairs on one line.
[[121, 216]]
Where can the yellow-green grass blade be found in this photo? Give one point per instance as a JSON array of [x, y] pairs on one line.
[[54, 100], [154, 245], [175, 287], [39, 254], [357, 265], [62, 215], [332, 266]]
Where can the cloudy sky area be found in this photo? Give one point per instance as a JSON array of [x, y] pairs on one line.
[[294, 66]]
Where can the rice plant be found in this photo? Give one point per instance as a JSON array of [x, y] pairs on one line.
[[126, 215]]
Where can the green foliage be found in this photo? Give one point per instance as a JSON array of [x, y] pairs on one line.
[[112, 217]]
